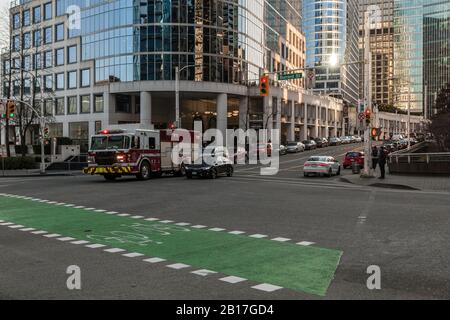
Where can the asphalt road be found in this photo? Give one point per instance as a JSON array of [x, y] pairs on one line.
[[405, 233]]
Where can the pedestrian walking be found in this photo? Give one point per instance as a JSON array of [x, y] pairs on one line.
[[374, 157], [382, 162]]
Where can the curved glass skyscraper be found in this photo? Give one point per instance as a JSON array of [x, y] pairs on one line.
[[331, 29]]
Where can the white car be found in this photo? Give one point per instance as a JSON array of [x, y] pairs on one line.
[[321, 165], [294, 147], [358, 139]]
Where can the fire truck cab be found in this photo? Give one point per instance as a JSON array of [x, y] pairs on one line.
[[143, 153]]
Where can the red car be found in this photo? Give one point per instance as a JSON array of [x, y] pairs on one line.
[[352, 157]]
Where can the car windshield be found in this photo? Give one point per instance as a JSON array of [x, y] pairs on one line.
[[353, 154], [317, 159], [292, 144], [110, 142], [305, 142]]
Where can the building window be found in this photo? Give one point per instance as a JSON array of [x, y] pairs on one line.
[[72, 105], [48, 83], [47, 11], [26, 18], [16, 43], [26, 40], [85, 77], [123, 103], [59, 57], [27, 63], [16, 21], [47, 35], [48, 59], [59, 32], [59, 106], [72, 54], [79, 130], [48, 107], [37, 14], [37, 63], [27, 86], [59, 80], [37, 38], [98, 126], [85, 104], [71, 80], [98, 103]]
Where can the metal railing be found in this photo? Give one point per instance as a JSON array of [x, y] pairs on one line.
[[411, 158]]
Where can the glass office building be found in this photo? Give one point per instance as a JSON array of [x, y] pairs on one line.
[[331, 29], [381, 41], [436, 42], [113, 62], [420, 42]]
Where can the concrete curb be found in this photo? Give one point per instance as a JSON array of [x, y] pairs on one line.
[[381, 185], [34, 175]]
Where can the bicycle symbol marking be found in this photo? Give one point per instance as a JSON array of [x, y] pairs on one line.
[[140, 233]]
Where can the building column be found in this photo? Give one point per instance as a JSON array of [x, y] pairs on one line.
[[278, 115], [316, 123], [222, 112], [243, 113], [327, 128], [291, 132], [268, 113], [146, 109], [305, 121], [335, 123]]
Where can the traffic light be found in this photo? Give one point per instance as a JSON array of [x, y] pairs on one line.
[[264, 86], [46, 132], [368, 115], [10, 109], [375, 133]]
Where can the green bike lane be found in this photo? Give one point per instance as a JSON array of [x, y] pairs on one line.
[[300, 268]]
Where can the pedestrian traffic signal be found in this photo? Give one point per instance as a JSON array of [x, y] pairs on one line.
[[376, 132], [264, 86], [46, 132], [10, 109]]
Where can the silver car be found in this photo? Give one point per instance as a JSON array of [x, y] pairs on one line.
[[294, 147], [321, 165]]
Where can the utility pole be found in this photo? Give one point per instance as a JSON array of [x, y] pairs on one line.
[[368, 97]]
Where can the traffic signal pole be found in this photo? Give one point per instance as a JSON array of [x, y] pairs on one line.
[[368, 172]]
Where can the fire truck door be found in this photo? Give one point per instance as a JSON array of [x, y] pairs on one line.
[[166, 156]]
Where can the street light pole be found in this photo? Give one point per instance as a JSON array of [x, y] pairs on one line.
[[177, 91], [409, 117]]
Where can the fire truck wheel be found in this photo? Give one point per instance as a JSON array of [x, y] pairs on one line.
[[144, 171], [110, 177]]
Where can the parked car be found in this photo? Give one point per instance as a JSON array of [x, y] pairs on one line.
[[321, 142], [309, 144], [215, 162], [321, 165], [344, 140], [358, 139], [352, 157], [282, 150], [335, 141], [294, 147]]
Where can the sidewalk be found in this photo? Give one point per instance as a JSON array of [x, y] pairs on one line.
[[35, 173], [405, 182]]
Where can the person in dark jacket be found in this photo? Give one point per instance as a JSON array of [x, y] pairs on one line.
[[374, 157], [382, 162]]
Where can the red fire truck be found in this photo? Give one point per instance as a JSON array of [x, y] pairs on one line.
[[143, 153]]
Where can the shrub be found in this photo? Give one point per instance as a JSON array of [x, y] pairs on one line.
[[17, 163]]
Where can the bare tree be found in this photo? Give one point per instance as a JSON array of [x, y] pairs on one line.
[[4, 27], [28, 66]]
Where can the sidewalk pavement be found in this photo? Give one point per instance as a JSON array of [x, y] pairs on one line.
[[35, 173], [405, 182]]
